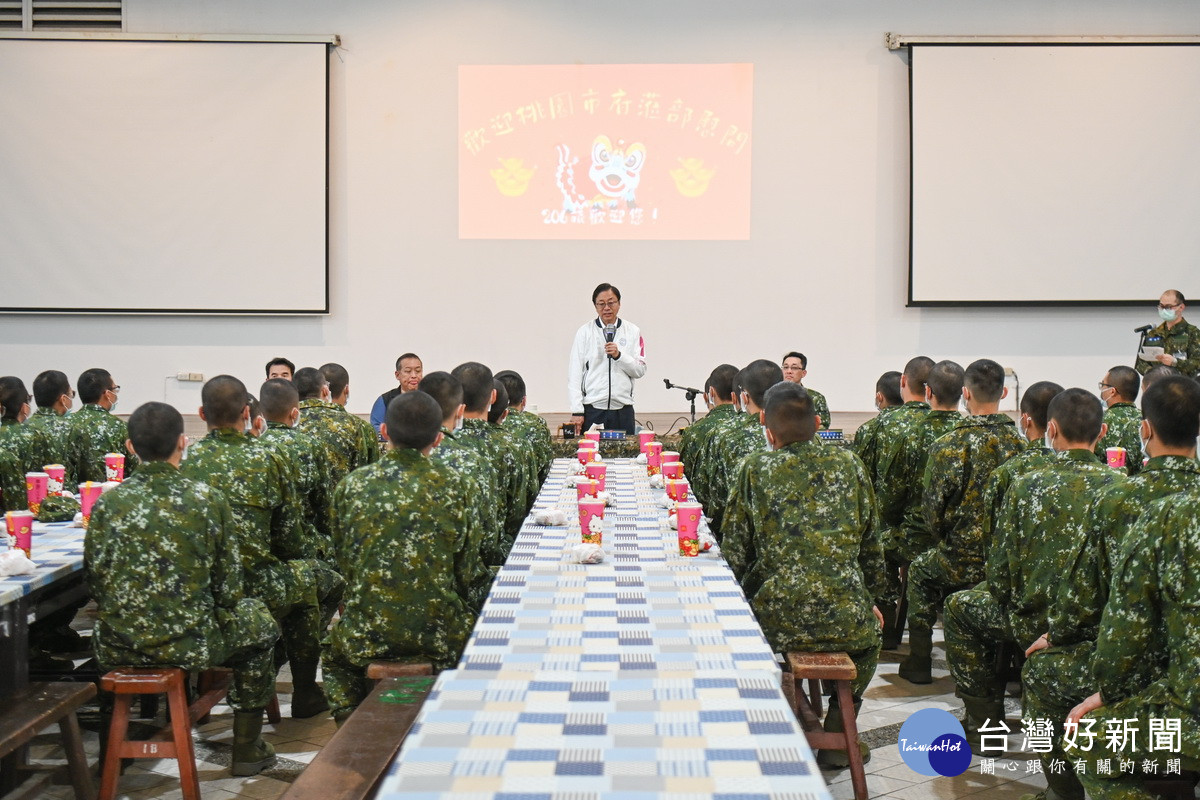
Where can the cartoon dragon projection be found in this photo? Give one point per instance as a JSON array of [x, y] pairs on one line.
[[615, 171]]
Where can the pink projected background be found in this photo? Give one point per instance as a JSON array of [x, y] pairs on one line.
[[605, 151]]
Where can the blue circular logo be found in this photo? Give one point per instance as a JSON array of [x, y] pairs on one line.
[[932, 742]]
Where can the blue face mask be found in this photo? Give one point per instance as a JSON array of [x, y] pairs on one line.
[[1167, 314]]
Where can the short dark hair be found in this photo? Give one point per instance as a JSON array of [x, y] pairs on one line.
[[789, 412], [337, 376], [445, 389], [888, 385], [721, 381], [985, 379], [1178, 295], [278, 397], [309, 382], [1036, 401], [413, 420], [916, 372], [803, 358], [1172, 405], [1079, 414], [500, 404], [92, 384], [405, 357], [280, 361], [223, 399], [154, 431], [1126, 381], [759, 376], [1157, 373], [477, 382], [13, 395], [945, 380], [514, 384], [605, 287], [49, 386]]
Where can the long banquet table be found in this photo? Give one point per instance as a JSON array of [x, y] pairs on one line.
[[644, 676]]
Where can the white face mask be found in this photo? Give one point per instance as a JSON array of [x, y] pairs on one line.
[[458, 423], [1167, 314], [767, 438], [1049, 444]]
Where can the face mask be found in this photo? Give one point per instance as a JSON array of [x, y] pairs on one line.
[[1046, 439], [113, 407], [1021, 428], [458, 424], [1167, 314], [766, 438]]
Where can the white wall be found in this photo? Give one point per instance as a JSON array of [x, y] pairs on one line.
[[824, 270]]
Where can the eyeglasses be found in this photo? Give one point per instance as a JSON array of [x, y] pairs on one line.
[[1102, 386], [115, 389], [1168, 306], [608, 304]]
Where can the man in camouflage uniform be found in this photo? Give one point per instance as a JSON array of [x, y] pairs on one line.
[[346, 443], [1146, 666], [1179, 339], [887, 399], [718, 397], [417, 583], [801, 537], [95, 430], [470, 462], [1044, 517], [54, 396], [795, 367], [1058, 674], [279, 569], [528, 426], [29, 444], [521, 448], [1031, 424], [740, 437], [1119, 390], [956, 476], [164, 566], [707, 454]]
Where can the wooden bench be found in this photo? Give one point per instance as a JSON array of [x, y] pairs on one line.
[[39, 705], [378, 670], [351, 764], [840, 670]]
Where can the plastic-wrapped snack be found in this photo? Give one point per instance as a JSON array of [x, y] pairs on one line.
[[656, 481], [14, 562], [573, 480], [587, 553], [707, 541], [575, 468], [666, 502], [550, 516], [640, 458], [673, 522], [609, 499]]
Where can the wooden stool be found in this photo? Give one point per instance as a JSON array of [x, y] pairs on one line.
[[377, 670], [838, 668], [39, 705]]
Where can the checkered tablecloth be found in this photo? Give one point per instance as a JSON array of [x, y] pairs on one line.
[[57, 551]]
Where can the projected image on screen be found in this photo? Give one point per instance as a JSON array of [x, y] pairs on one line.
[[610, 151]]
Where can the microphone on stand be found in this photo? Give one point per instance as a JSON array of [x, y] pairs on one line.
[[1143, 329]]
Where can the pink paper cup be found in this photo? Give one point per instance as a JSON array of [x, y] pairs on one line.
[[20, 527], [677, 489], [586, 455], [672, 470], [37, 485], [670, 457], [593, 436], [586, 488], [89, 493], [654, 458], [689, 529], [57, 475], [1116, 457], [114, 466], [597, 471], [591, 520], [644, 438]]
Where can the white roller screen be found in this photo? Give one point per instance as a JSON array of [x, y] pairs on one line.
[[1054, 173], [163, 176]]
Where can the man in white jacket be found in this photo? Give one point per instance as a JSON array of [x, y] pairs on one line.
[[606, 358]]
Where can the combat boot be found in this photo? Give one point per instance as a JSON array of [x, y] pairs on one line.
[[251, 755], [918, 666], [892, 632], [308, 699], [979, 710], [839, 759]]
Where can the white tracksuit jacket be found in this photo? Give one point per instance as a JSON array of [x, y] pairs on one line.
[[588, 371]]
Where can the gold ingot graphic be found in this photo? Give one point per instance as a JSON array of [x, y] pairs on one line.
[[512, 178], [691, 179]]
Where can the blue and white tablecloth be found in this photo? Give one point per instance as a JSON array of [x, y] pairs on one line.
[[57, 551]]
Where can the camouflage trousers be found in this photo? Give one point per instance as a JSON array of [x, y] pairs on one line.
[[976, 630], [1055, 680], [930, 581], [303, 595]]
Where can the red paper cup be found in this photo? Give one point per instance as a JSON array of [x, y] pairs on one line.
[[591, 520], [689, 529], [586, 488], [20, 528], [89, 493], [653, 458], [672, 469], [114, 466], [57, 474], [669, 457], [644, 438], [36, 487], [588, 443], [677, 490], [593, 436], [598, 472], [586, 455], [1116, 457]]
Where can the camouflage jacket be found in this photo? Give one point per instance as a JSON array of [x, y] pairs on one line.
[[257, 482], [482, 489], [13, 496], [1035, 456], [800, 535], [1041, 525], [866, 440], [1182, 341], [528, 460], [820, 406], [416, 583], [533, 429], [350, 445], [511, 474], [309, 466], [1124, 422], [58, 430], [905, 438], [734, 441], [1149, 641], [31, 445], [956, 477], [163, 565], [95, 432], [1083, 592], [694, 447]]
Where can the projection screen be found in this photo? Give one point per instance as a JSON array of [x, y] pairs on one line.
[[1053, 174], [163, 177]]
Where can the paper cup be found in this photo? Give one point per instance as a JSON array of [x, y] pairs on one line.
[[644, 438], [677, 490], [591, 520], [1116, 457], [89, 493], [57, 475], [672, 470], [589, 443], [689, 529], [653, 458], [37, 485], [586, 455], [592, 436], [20, 530], [598, 472], [669, 457], [586, 488], [114, 466]]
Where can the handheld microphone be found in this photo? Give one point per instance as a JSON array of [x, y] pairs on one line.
[[610, 332], [1143, 329]]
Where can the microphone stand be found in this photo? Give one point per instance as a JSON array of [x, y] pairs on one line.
[[689, 394], [1141, 345]]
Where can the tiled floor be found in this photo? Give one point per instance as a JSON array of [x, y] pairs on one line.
[[887, 704]]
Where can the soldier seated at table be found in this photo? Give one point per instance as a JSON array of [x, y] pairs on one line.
[[528, 424], [520, 446], [800, 535], [1118, 391], [164, 566], [417, 583]]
